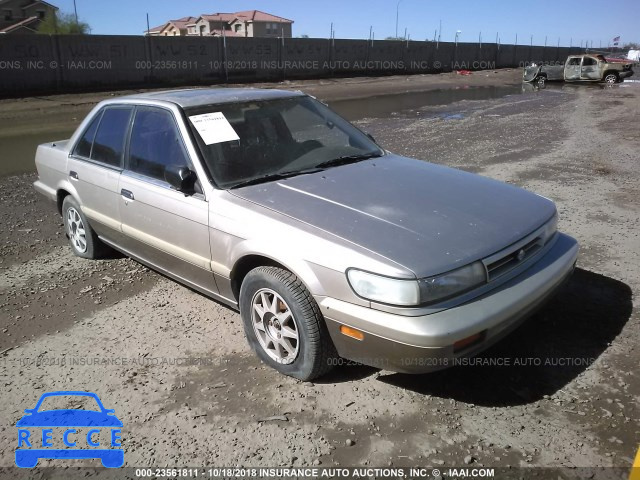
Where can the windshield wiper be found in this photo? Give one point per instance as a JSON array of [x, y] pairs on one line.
[[346, 159], [271, 177]]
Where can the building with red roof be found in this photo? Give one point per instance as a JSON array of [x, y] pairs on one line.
[[249, 23]]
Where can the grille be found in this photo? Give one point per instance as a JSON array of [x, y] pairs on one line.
[[511, 260]]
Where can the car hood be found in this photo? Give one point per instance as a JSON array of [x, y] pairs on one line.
[[69, 418], [426, 217]]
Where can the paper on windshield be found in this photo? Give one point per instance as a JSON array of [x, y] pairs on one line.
[[214, 128]]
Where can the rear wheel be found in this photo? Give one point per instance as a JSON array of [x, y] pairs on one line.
[[83, 240], [541, 80], [283, 324]]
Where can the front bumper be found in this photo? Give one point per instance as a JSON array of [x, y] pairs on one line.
[[426, 343], [625, 74]]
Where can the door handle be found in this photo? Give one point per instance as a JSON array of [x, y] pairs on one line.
[[127, 194], [73, 175]]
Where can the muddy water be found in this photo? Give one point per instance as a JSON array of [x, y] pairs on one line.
[[18, 150], [384, 106]]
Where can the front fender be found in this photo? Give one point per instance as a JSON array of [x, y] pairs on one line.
[[286, 258], [320, 280]]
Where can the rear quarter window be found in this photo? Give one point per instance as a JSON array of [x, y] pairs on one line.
[[83, 148]]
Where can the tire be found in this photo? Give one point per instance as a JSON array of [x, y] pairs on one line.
[[611, 78], [283, 324], [541, 80], [82, 238]]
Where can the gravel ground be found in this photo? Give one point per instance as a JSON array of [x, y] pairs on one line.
[[569, 396]]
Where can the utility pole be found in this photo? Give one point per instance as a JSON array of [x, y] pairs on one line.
[[75, 9], [148, 27], [397, 16]]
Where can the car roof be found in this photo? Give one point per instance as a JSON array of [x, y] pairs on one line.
[[194, 97]]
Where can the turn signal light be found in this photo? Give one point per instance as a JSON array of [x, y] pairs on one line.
[[351, 332], [469, 341]]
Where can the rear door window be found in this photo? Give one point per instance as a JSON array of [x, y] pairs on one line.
[[108, 144]]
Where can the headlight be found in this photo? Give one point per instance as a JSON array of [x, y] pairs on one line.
[[452, 283], [384, 289], [406, 293]]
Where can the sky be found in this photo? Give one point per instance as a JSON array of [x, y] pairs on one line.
[[566, 21]]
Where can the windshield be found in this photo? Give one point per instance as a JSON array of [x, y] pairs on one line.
[[65, 402], [243, 143]]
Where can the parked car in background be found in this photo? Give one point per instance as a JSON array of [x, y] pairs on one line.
[[328, 245], [580, 68]]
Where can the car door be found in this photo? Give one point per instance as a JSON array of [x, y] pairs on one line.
[[590, 69], [95, 164], [572, 69], [163, 227]]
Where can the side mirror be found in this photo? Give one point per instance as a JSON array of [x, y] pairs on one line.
[[180, 178]]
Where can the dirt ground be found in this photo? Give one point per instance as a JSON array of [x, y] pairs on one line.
[[177, 370]]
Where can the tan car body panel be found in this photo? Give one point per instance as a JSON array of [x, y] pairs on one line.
[[200, 240]]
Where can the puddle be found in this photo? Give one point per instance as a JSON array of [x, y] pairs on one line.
[[384, 106], [19, 151], [451, 116]]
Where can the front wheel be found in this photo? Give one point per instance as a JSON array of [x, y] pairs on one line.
[[611, 78], [541, 80], [283, 324]]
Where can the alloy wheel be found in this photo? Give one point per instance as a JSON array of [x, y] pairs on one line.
[[275, 326], [76, 230]]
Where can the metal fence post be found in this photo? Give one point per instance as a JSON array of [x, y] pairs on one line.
[[224, 57]]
